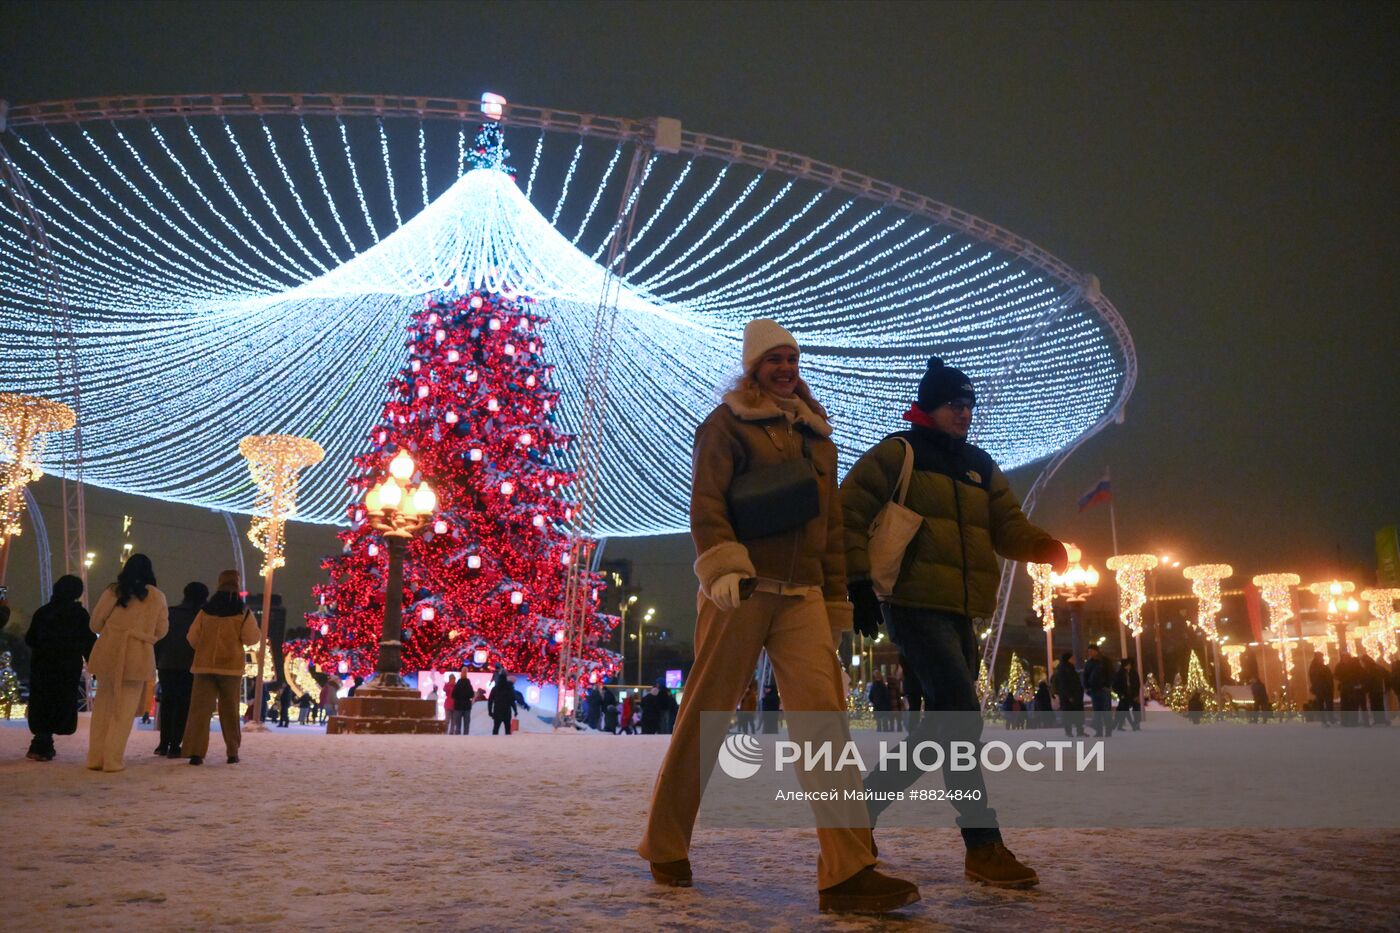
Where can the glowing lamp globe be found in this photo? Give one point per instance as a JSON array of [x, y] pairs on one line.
[[401, 466], [390, 495], [424, 499], [492, 106]]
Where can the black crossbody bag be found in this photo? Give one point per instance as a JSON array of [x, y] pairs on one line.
[[775, 499]]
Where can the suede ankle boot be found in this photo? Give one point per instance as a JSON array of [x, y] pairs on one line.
[[994, 864], [867, 892]]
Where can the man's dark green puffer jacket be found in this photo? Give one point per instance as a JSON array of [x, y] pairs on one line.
[[970, 516]]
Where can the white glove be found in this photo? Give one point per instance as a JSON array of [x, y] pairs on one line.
[[724, 592]]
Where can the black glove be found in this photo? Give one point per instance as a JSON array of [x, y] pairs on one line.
[[865, 608]]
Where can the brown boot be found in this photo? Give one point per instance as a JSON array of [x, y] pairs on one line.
[[867, 892], [994, 864], [672, 874]]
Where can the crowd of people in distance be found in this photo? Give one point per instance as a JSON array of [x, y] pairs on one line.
[[651, 713]]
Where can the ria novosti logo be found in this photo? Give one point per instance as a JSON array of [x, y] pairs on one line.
[[740, 756]]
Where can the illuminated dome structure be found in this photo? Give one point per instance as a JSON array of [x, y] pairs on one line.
[[246, 264]]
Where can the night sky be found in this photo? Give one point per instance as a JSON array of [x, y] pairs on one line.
[[1228, 171]]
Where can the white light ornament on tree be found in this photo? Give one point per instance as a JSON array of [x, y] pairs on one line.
[[25, 423], [1131, 570], [1205, 584], [274, 460]]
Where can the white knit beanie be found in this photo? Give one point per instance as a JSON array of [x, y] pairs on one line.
[[760, 336]]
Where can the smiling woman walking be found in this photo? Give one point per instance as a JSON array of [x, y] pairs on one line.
[[766, 519]]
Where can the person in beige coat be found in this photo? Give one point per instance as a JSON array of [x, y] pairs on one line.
[[784, 591], [129, 618], [218, 635]]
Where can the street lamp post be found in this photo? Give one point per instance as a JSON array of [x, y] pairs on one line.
[[1075, 586], [641, 640], [386, 704], [274, 460], [627, 605]]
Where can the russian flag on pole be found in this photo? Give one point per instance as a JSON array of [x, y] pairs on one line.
[[1102, 492]]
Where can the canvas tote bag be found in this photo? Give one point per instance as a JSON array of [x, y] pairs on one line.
[[892, 530]]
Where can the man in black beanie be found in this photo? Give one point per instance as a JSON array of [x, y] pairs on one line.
[[949, 577]]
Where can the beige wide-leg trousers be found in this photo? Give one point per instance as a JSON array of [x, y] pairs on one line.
[[113, 714], [796, 633], [209, 690]]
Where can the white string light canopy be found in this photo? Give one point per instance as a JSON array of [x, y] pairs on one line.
[[202, 240]]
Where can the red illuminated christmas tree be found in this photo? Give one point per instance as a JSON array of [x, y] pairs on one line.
[[485, 584]]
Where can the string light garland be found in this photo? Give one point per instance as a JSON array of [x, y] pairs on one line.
[[1131, 575], [274, 460], [272, 238], [1042, 594], [1205, 584], [26, 421], [1234, 654]]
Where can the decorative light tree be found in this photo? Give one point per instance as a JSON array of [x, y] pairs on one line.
[[484, 584], [275, 461], [1131, 576], [9, 688], [986, 694], [25, 423], [1195, 683], [1043, 604], [1381, 601], [1276, 590], [1205, 583], [1018, 681]]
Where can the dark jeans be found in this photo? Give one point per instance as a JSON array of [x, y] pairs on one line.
[[1130, 712], [1323, 705], [1103, 705], [941, 650], [175, 687], [496, 726]]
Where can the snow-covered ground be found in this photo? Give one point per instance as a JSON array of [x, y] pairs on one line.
[[537, 832]]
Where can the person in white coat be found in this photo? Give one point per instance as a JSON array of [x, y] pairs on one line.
[[130, 617]]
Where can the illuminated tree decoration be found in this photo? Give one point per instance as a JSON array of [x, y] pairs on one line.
[[474, 405], [1205, 583], [297, 673], [9, 689], [1042, 594], [1381, 602], [986, 694], [25, 423], [1131, 572], [1195, 683], [275, 460], [1018, 681]]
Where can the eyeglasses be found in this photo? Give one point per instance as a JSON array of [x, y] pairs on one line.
[[958, 405]]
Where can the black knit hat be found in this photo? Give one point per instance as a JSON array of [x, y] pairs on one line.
[[941, 384]]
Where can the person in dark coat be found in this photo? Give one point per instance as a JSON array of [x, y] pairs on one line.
[[1351, 685], [667, 704], [771, 704], [173, 659], [609, 711], [1096, 682], [1069, 690], [1043, 710], [879, 695], [651, 712], [1322, 688], [285, 699], [593, 709], [1373, 685], [1128, 686], [1195, 708], [60, 640], [501, 704], [462, 696], [1261, 700]]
